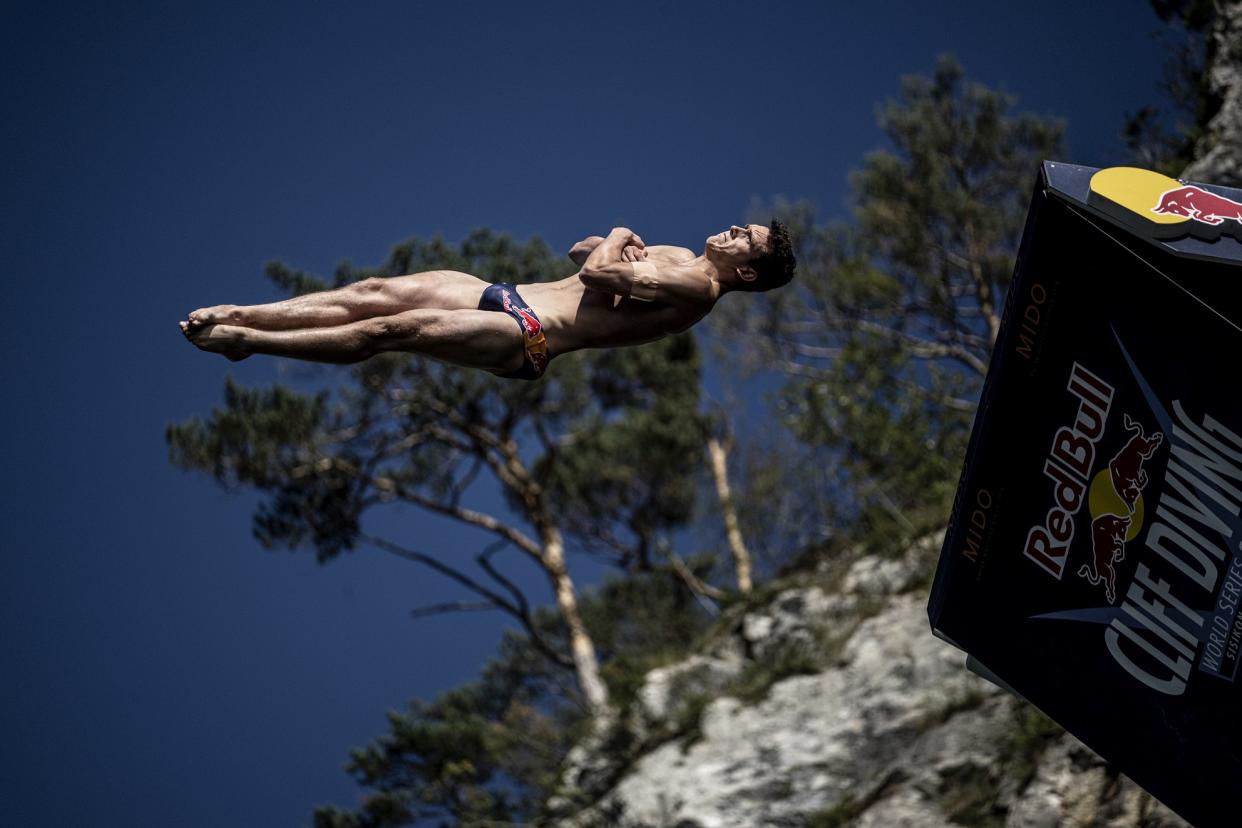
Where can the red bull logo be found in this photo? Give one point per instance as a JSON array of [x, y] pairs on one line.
[[1128, 476], [1199, 204], [1116, 504], [529, 322], [1108, 546], [532, 332], [1068, 465], [1164, 207]]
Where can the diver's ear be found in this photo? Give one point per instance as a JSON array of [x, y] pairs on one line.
[[747, 273]]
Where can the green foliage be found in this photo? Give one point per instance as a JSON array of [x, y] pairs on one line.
[[630, 450], [487, 751], [641, 622], [972, 699], [971, 796], [973, 801], [839, 815], [269, 439], [1025, 740], [491, 749]]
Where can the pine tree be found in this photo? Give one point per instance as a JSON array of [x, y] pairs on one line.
[[602, 453], [886, 339]]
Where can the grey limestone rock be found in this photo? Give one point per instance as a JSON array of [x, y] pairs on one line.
[[893, 732], [1218, 156]]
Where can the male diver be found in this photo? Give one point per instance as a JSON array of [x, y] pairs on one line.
[[625, 293]]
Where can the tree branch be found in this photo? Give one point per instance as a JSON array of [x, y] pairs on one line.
[[924, 349], [697, 585], [484, 561], [492, 600], [809, 351], [479, 519], [451, 606], [447, 571]]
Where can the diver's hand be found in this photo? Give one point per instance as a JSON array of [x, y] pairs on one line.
[[627, 236], [633, 253]]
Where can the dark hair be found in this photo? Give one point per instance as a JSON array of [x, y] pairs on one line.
[[775, 267]]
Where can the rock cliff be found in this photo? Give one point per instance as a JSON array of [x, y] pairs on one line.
[[832, 704], [1218, 154]]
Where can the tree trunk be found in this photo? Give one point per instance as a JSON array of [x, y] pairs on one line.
[[580, 644], [720, 471]]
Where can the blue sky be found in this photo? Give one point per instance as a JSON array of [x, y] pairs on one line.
[[157, 667]]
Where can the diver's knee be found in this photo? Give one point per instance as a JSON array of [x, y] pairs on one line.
[[409, 328], [370, 286], [383, 329]]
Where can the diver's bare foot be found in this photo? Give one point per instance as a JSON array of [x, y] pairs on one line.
[[215, 315], [228, 340]]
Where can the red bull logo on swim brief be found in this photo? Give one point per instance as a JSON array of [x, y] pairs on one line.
[[529, 322]]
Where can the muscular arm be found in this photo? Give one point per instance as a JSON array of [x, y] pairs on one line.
[[657, 281], [671, 253]]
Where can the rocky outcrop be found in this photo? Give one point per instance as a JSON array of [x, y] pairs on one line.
[[1218, 154], [886, 729]]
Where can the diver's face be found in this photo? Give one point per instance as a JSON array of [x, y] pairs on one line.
[[738, 244]]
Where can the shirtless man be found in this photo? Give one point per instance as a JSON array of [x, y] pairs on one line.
[[625, 294]]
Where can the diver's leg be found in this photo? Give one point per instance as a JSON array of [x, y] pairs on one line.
[[471, 338], [368, 298]]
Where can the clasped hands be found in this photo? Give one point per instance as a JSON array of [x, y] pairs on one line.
[[634, 250]]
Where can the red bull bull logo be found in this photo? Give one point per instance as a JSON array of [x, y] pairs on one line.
[[1126, 469], [1164, 207], [1116, 504], [1108, 546], [1199, 204]]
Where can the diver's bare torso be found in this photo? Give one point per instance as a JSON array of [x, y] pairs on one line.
[[574, 316]]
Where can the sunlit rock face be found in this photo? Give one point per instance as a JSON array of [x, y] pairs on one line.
[[1219, 154], [889, 730]]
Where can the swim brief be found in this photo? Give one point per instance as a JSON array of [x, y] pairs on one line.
[[505, 298]]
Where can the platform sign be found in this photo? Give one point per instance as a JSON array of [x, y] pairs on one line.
[[1093, 560]]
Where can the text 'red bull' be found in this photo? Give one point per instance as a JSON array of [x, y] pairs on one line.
[[1069, 466]]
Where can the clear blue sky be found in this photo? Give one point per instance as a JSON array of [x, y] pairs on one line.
[[157, 667]]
